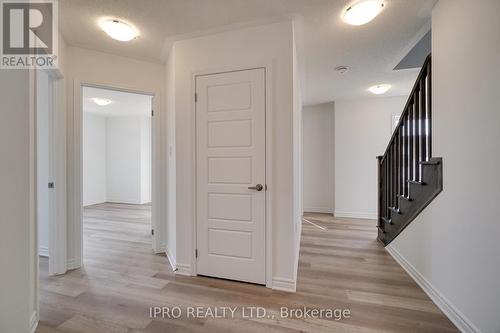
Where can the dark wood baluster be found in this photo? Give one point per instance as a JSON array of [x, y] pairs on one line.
[[385, 188], [429, 109], [401, 160], [411, 134], [405, 145], [398, 158], [423, 119], [390, 177], [408, 148], [386, 165], [416, 121], [394, 175]]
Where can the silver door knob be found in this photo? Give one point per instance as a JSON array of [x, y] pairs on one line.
[[257, 187]]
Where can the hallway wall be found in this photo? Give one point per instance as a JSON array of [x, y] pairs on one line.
[[318, 157], [18, 301], [452, 247], [95, 67], [243, 48], [362, 132]]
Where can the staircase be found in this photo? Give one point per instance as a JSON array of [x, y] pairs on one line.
[[409, 176]]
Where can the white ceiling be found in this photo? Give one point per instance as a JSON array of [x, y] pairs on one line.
[[370, 51], [123, 103]]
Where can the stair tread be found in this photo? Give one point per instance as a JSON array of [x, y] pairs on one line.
[[405, 198], [396, 210], [416, 182], [386, 220]]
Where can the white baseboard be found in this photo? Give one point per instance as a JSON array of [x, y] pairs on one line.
[[323, 210], [284, 284], [456, 317], [183, 269], [43, 251], [297, 247], [171, 259], [356, 215], [128, 202], [34, 322], [161, 249], [92, 203]]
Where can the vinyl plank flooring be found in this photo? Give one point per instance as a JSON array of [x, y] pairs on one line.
[[341, 265]]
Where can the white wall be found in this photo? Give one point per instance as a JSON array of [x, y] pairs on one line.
[[123, 167], [297, 141], [18, 280], [171, 229], [94, 67], [116, 159], [454, 244], [362, 132], [94, 159], [318, 158], [145, 158], [43, 171], [245, 48]]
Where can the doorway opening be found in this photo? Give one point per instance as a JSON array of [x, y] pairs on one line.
[[117, 174]]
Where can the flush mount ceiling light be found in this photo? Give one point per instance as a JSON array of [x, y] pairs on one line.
[[341, 69], [101, 101], [362, 11], [118, 30], [380, 88]]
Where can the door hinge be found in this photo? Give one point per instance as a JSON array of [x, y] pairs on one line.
[[152, 231], [196, 253], [195, 97], [152, 113]]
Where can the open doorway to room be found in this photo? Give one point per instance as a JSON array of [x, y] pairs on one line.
[[117, 173]]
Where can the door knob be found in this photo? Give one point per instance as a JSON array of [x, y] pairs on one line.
[[257, 187]]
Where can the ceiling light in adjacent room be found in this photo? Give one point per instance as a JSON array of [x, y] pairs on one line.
[[101, 101], [380, 88], [119, 30], [363, 11]]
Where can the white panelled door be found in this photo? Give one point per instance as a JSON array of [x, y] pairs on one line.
[[230, 175]]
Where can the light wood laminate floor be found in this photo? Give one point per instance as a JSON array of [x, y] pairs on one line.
[[341, 266]]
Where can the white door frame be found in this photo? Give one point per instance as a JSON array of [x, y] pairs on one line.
[[77, 194], [268, 70], [57, 172]]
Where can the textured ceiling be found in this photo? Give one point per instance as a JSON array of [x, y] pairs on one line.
[[123, 103], [370, 51]]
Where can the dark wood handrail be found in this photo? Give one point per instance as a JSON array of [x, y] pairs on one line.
[[426, 68]]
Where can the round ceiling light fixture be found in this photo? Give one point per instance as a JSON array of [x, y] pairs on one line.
[[362, 11], [101, 101], [118, 29], [380, 88], [341, 69]]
